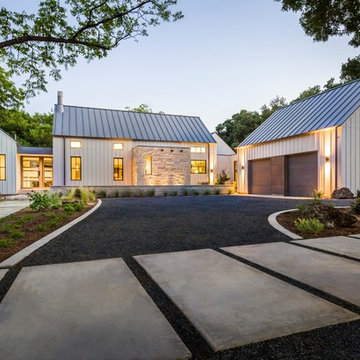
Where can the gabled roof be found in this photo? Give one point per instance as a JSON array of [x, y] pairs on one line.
[[222, 148], [4, 133], [327, 109], [34, 150], [78, 121]]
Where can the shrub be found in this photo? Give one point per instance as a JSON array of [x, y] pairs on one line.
[[230, 192], [101, 194], [358, 193], [139, 193], [41, 228], [309, 226], [39, 201], [356, 206], [77, 206], [54, 201], [222, 178], [4, 243], [206, 192], [69, 208], [318, 194], [84, 197], [69, 195], [165, 193], [91, 195], [16, 234], [126, 194], [185, 192], [195, 192], [217, 192], [77, 193], [173, 193], [25, 219], [150, 192], [9, 228], [342, 193]]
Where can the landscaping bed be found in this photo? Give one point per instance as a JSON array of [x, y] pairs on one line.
[[318, 219], [26, 226]]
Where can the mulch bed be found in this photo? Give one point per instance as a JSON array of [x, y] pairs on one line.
[[287, 221], [32, 234]]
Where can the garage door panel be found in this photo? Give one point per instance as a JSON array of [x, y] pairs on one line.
[[260, 176], [302, 174]]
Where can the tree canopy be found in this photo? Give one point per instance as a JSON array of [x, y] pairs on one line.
[[41, 44]]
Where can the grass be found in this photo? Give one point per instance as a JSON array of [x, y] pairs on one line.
[[5, 243]]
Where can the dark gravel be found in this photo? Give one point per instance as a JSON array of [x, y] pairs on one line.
[[128, 227]]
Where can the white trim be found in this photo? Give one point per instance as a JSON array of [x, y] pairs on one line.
[[273, 222], [22, 254]]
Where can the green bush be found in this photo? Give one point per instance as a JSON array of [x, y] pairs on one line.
[[17, 234], [206, 192], [91, 194], [139, 193], [126, 194], [39, 201], [230, 192], [309, 226], [222, 178], [70, 195], [4, 243], [54, 201], [217, 192], [77, 193], [41, 228], [77, 206], [318, 194], [101, 194], [150, 193], [68, 208], [165, 193], [25, 219], [185, 192], [358, 193], [84, 197], [9, 228], [356, 206], [173, 193], [195, 192]]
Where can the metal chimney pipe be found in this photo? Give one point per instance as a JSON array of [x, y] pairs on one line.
[[60, 101]]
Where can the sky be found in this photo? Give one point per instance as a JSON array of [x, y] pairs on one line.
[[223, 56]]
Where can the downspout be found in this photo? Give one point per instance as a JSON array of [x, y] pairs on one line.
[[336, 158], [64, 151]]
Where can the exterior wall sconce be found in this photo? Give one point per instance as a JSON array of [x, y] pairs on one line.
[[243, 167], [327, 159], [211, 170]]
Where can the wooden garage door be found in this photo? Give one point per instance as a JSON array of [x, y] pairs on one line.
[[302, 174], [260, 176]]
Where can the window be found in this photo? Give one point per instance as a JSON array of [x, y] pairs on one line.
[[118, 146], [75, 165], [2, 167], [198, 166], [198, 149], [118, 169], [235, 171], [75, 144], [148, 165]]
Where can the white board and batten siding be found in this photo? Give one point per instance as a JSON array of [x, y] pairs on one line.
[[8, 148], [322, 141], [350, 152], [97, 160]]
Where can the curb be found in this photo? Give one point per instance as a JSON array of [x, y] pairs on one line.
[[273, 222], [22, 254]]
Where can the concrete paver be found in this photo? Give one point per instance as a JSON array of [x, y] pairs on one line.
[[334, 275], [232, 304], [85, 310], [355, 236], [9, 207], [2, 273], [337, 244]]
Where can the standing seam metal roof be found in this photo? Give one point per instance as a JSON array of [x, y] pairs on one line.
[[79, 121], [327, 109]]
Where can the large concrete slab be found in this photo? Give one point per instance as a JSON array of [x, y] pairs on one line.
[[87, 310], [9, 207], [342, 245], [334, 275], [232, 304], [355, 236]]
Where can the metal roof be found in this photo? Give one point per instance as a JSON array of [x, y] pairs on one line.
[[78, 121], [34, 150], [327, 109]]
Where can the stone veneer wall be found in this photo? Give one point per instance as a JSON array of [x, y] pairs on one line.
[[170, 165]]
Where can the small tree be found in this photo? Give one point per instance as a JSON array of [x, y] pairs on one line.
[[222, 178]]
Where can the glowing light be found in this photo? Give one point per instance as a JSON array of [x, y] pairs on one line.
[[75, 144], [118, 146]]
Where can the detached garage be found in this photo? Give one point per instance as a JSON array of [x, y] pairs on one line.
[[311, 144]]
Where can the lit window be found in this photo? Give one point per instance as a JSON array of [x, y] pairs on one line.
[[75, 144], [118, 169], [75, 165], [198, 166], [118, 146], [2, 167], [148, 165], [198, 149]]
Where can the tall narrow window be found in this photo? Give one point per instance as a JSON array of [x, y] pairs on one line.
[[148, 165], [198, 166], [118, 169], [235, 171], [2, 167], [75, 164]]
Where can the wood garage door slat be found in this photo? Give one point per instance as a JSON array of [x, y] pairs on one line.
[[260, 177]]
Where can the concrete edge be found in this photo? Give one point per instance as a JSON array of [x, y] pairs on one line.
[[22, 254], [274, 223]]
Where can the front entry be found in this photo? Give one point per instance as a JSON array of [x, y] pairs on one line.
[[36, 172]]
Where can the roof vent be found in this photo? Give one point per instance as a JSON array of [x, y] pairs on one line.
[[60, 101]]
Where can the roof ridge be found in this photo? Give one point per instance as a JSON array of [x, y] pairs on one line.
[[129, 111]]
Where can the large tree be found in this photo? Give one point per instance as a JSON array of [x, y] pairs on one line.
[[322, 19], [40, 44]]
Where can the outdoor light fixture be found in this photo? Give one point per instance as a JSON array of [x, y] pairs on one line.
[[327, 159], [243, 167], [118, 146]]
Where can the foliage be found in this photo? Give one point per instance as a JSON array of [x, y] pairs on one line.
[[165, 193], [41, 228], [25, 219], [222, 178], [173, 193], [126, 193], [150, 193], [10, 96], [54, 201], [230, 192], [16, 234], [142, 108], [358, 193], [4, 243], [351, 69], [356, 206], [185, 192], [70, 208], [41, 44], [39, 201], [139, 193], [196, 192], [217, 192], [314, 90], [100, 194], [77, 193], [318, 194], [206, 192], [309, 226]]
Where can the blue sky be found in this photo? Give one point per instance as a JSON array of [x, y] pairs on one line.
[[224, 56]]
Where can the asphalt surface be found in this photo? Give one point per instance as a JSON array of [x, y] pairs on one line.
[[129, 227]]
